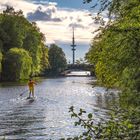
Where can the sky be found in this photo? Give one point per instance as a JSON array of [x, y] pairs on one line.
[[55, 18]]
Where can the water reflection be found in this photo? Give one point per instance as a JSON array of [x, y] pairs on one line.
[[47, 117]]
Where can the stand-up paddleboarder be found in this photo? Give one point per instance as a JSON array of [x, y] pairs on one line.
[[31, 84]]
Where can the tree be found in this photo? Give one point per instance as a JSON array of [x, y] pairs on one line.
[[11, 11], [80, 61], [16, 65], [0, 62], [44, 59], [57, 59], [13, 35], [115, 51], [17, 32], [32, 43]]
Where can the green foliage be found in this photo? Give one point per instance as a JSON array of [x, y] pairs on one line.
[[17, 32], [12, 31], [10, 11], [115, 52], [32, 43], [115, 8], [121, 124], [57, 59], [44, 59], [0, 62], [16, 65]]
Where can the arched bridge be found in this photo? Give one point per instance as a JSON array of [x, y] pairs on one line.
[[86, 69]]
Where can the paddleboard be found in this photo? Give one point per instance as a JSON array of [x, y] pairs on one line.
[[31, 98]]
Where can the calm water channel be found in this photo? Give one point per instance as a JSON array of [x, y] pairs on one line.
[[47, 117]]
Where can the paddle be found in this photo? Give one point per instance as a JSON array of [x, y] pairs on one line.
[[23, 92]]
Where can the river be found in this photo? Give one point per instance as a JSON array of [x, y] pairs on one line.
[[47, 117]]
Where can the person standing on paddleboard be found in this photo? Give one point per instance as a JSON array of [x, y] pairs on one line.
[[31, 84]]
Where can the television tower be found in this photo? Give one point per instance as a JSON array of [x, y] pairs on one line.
[[73, 47]]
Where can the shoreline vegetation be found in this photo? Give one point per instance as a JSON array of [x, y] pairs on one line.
[[22, 46], [23, 52]]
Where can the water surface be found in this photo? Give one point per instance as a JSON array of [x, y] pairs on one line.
[[47, 117]]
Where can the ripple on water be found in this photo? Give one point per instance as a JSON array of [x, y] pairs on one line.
[[48, 116]]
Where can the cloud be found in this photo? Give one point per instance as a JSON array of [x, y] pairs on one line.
[[55, 22], [42, 2], [18, 4], [40, 15]]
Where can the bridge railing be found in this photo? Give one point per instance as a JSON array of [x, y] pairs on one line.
[[78, 67]]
